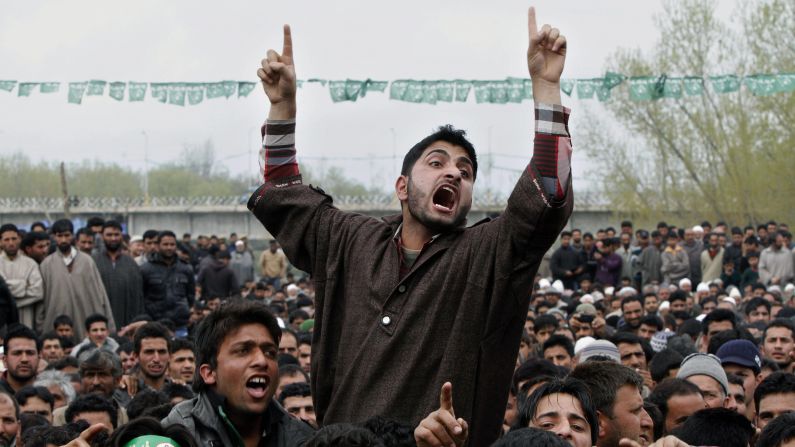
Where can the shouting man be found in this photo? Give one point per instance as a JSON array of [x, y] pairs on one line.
[[429, 299]]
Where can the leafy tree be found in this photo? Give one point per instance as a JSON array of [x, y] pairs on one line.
[[717, 155]]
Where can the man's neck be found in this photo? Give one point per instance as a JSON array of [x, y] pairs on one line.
[[248, 426], [12, 257], [413, 234], [113, 255], [16, 385], [156, 383]]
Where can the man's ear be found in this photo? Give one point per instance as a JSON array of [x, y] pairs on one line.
[[207, 374], [402, 188], [603, 421]]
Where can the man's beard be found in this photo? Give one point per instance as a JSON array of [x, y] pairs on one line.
[[12, 252], [112, 247], [65, 247], [20, 378], [434, 224]]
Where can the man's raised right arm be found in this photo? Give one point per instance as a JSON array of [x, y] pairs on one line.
[[277, 73]]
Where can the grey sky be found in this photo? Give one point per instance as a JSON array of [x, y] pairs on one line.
[[163, 41]]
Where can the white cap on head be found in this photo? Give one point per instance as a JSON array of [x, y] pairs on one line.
[[240, 244], [558, 285], [702, 287], [586, 299], [729, 299], [735, 293], [543, 283], [698, 229], [664, 305], [610, 290], [581, 343], [684, 281]]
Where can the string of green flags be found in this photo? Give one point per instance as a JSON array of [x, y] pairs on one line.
[[509, 90]]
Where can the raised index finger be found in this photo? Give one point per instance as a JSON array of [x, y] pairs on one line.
[[531, 22], [446, 397], [287, 48]]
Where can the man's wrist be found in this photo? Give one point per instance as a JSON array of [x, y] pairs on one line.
[[546, 92], [284, 110]]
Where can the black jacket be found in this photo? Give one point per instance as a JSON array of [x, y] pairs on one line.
[[169, 290]]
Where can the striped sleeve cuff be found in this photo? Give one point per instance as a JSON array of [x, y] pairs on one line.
[[277, 156], [552, 149]]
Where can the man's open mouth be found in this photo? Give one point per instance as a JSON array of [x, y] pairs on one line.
[[257, 386], [444, 198]]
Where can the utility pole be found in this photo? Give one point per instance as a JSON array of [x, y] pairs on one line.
[[66, 204]]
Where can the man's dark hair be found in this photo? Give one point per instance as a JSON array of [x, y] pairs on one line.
[[535, 367], [51, 336], [663, 362], [690, 327], [173, 390], [91, 403], [715, 426], [95, 221], [573, 388], [26, 392], [604, 379], [734, 379], [778, 431], [85, 231], [629, 299], [669, 388], [446, 133], [102, 360], [391, 432], [292, 370], [126, 347], [146, 398], [776, 383], [343, 434], [215, 327], [298, 313], [61, 320], [716, 316], [165, 233], [111, 224], [298, 389], [62, 226], [179, 344], [150, 234], [780, 322], [754, 303], [656, 417], [149, 330], [723, 337], [8, 227], [95, 318], [529, 436], [147, 426], [20, 331], [546, 320], [652, 320], [66, 361], [30, 238], [559, 340], [678, 295]]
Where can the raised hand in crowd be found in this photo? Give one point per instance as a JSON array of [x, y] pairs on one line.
[[441, 428], [278, 79]]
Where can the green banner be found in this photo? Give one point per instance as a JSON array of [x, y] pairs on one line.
[[159, 91], [137, 91], [195, 93], [762, 85], [76, 91], [567, 86], [245, 88], [176, 93], [725, 84], [116, 90], [462, 89], [7, 86], [785, 82], [586, 88], [215, 90], [397, 90], [377, 86], [672, 88], [25, 88], [96, 88], [230, 87], [694, 86], [50, 87]]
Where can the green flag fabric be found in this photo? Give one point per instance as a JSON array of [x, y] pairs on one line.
[[96, 88], [785, 82], [694, 86], [397, 90], [567, 86], [137, 91], [462, 89], [116, 90], [76, 91], [762, 84], [176, 93], [25, 88], [230, 87], [50, 87], [245, 88], [195, 93], [7, 86], [725, 84], [159, 91]]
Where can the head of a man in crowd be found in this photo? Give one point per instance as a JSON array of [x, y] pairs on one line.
[[100, 373], [63, 231], [167, 245], [296, 399], [565, 239], [58, 385], [94, 224], [112, 236], [305, 353], [36, 400], [559, 350], [94, 409], [182, 363], [632, 310], [757, 309], [436, 180], [778, 342], [615, 391], [676, 399], [21, 347], [290, 373], [9, 419], [237, 350], [563, 407], [85, 240], [630, 348], [9, 240], [705, 371], [716, 321], [96, 326], [289, 343], [716, 426], [51, 347], [126, 353], [779, 240], [150, 241], [152, 350], [545, 326], [649, 325], [773, 397], [737, 392], [650, 303], [742, 359], [36, 245]]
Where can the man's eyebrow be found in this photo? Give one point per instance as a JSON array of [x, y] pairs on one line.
[[552, 414], [444, 152]]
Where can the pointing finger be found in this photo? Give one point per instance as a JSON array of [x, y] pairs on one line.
[[287, 48], [446, 397], [532, 28]]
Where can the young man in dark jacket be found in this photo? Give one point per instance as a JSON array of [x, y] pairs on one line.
[[426, 299], [236, 378], [169, 287]]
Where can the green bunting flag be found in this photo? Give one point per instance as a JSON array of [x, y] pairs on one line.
[[230, 87], [761, 85], [398, 89], [136, 91], [672, 88], [694, 86], [567, 86], [116, 90], [176, 93], [25, 88], [245, 88], [215, 90], [377, 86], [7, 85], [159, 91], [320, 81], [337, 91], [96, 88], [462, 89], [725, 84], [50, 87], [785, 82], [76, 91], [586, 88], [195, 93]]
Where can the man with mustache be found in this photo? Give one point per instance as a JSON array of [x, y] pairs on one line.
[[72, 284], [21, 274], [428, 300], [120, 275]]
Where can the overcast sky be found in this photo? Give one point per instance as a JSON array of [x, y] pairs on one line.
[[192, 41]]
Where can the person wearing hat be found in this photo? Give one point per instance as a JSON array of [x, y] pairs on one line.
[[705, 372], [742, 358]]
